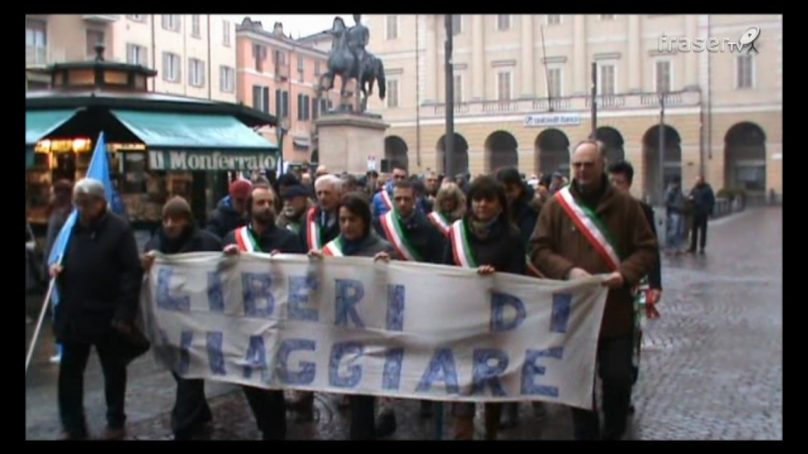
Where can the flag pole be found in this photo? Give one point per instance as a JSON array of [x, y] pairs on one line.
[[39, 324]]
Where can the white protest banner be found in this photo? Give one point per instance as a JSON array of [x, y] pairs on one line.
[[349, 325]]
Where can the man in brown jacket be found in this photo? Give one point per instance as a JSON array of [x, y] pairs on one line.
[[591, 228]]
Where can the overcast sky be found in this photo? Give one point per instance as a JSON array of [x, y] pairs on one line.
[[298, 25]]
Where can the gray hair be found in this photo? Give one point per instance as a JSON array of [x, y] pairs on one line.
[[90, 187], [331, 180]]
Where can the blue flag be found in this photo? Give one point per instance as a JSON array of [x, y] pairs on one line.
[[98, 170]]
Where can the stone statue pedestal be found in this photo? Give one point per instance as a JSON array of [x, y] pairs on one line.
[[347, 139]]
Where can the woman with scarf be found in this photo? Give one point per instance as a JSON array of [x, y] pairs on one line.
[[484, 239], [357, 239]]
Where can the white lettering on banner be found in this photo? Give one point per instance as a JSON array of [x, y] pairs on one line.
[[178, 160], [193, 162], [553, 120], [351, 325], [185, 160], [156, 161]]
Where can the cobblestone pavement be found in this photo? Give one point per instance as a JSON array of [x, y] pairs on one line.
[[711, 366]]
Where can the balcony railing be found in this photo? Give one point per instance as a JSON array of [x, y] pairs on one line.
[[106, 18], [564, 104], [42, 56], [282, 70]]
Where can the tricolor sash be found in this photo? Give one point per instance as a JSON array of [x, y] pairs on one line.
[[313, 240], [531, 268], [440, 222], [461, 248], [396, 234], [334, 247], [246, 241], [386, 200], [590, 225]]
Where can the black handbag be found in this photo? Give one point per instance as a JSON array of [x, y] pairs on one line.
[[131, 346]]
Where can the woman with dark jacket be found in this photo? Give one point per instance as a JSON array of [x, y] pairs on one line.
[[357, 239], [484, 239], [177, 235]]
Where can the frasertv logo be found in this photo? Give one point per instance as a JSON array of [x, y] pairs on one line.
[[745, 43]]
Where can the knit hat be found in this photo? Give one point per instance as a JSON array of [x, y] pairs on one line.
[[293, 191], [177, 207], [240, 189]]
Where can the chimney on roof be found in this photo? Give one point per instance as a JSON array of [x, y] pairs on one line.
[[278, 29]]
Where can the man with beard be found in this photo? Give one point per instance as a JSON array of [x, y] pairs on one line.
[[262, 235], [414, 239], [295, 205]]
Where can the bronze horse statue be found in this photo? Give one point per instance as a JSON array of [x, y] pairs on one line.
[[343, 63]]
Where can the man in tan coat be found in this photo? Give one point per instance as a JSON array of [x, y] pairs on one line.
[[590, 228]]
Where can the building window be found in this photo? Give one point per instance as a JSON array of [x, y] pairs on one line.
[[35, 42], [137, 17], [554, 83], [553, 19], [606, 79], [317, 68], [318, 108], [259, 54], [503, 22], [607, 17], [136, 55], [171, 67], [195, 32], [392, 93], [458, 89], [457, 24], [280, 58], [196, 72], [227, 79], [281, 103], [392, 27], [302, 107], [663, 76], [94, 37], [301, 65], [504, 86], [171, 22], [261, 98], [226, 33], [745, 71]]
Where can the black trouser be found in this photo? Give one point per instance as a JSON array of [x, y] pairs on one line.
[[71, 385], [190, 407], [269, 408], [363, 417], [615, 370], [699, 224]]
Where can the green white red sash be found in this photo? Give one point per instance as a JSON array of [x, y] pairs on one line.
[[531, 268], [334, 247], [461, 248], [386, 199], [593, 229], [313, 230], [397, 236], [440, 222], [246, 241]]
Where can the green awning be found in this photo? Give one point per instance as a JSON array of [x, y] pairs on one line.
[[39, 123], [170, 131]]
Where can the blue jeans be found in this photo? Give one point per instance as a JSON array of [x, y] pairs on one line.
[[674, 233]]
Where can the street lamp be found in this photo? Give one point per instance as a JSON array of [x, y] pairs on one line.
[[662, 145], [280, 131]]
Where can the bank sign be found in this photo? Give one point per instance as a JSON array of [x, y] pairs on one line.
[[553, 119], [211, 160]]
